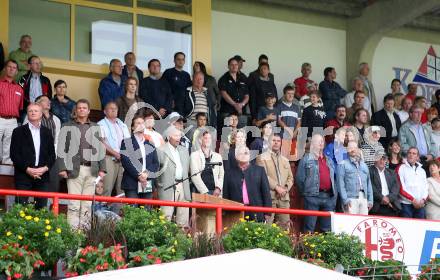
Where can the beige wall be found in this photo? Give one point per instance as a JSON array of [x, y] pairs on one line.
[[286, 44], [79, 87]]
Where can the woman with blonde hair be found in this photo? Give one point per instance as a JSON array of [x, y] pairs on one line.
[[433, 203]]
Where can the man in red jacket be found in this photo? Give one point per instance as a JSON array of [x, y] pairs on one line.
[[337, 122]]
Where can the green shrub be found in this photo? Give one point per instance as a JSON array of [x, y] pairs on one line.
[[331, 248], [250, 235], [40, 230], [382, 270], [143, 229], [430, 271]]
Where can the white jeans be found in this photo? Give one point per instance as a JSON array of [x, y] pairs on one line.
[[358, 205], [6, 128], [182, 214]]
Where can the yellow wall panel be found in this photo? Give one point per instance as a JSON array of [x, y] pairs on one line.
[[79, 87]]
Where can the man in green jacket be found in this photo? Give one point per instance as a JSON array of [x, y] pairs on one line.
[[22, 54], [414, 134]]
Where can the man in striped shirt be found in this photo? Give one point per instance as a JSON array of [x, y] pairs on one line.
[[11, 102], [197, 101]]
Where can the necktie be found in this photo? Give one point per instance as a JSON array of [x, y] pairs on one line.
[[245, 193]]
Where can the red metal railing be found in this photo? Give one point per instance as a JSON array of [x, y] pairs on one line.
[[218, 207]]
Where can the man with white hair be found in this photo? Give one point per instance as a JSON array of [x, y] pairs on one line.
[[348, 100], [33, 154], [315, 179], [174, 168], [248, 184], [354, 184]]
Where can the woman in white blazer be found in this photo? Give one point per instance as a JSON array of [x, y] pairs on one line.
[[433, 204], [210, 180]]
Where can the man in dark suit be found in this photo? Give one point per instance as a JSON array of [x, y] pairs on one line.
[[140, 162], [388, 119], [33, 154], [248, 184], [385, 188]]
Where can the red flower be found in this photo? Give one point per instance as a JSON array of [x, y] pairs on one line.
[[158, 261], [150, 256], [385, 270], [20, 253], [9, 278], [361, 273], [82, 260], [154, 250], [105, 265], [137, 259], [18, 275]]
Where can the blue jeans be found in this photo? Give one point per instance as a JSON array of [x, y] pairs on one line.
[[322, 202], [408, 211]]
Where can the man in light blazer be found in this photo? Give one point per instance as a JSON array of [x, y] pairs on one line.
[[280, 178], [385, 188], [174, 167], [210, 180]]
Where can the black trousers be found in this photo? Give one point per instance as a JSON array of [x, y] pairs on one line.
[[35, 185], [135, 194]]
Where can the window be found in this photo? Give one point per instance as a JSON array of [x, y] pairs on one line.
[[101, 35], [49, 28], [160, 38], [128, 3], [177, 6], [103, 29]]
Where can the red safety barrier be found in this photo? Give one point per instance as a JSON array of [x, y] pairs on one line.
[[218, 207]]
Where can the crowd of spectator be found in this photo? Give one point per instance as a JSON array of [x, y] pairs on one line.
[[318, 147]]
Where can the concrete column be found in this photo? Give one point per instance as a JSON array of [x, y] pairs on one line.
[[365, 32]]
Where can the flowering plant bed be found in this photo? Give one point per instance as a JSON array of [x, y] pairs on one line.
[[39, 230], [18, 262], [250, 235], [95, 259]]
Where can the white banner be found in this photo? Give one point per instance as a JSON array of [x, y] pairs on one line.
[[412, 241]]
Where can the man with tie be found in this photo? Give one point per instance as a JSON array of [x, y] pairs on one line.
[[248, 184]]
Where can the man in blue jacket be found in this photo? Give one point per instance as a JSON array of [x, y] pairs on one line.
[[354, 183], [112, 86], [315, 179]]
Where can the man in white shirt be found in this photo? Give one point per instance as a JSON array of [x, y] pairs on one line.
[[385, 188], [174, 168], [348, 100], [413, 186], [113, 132], [33, 154]]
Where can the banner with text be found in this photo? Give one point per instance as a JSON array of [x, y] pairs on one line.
[[411, 241]]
